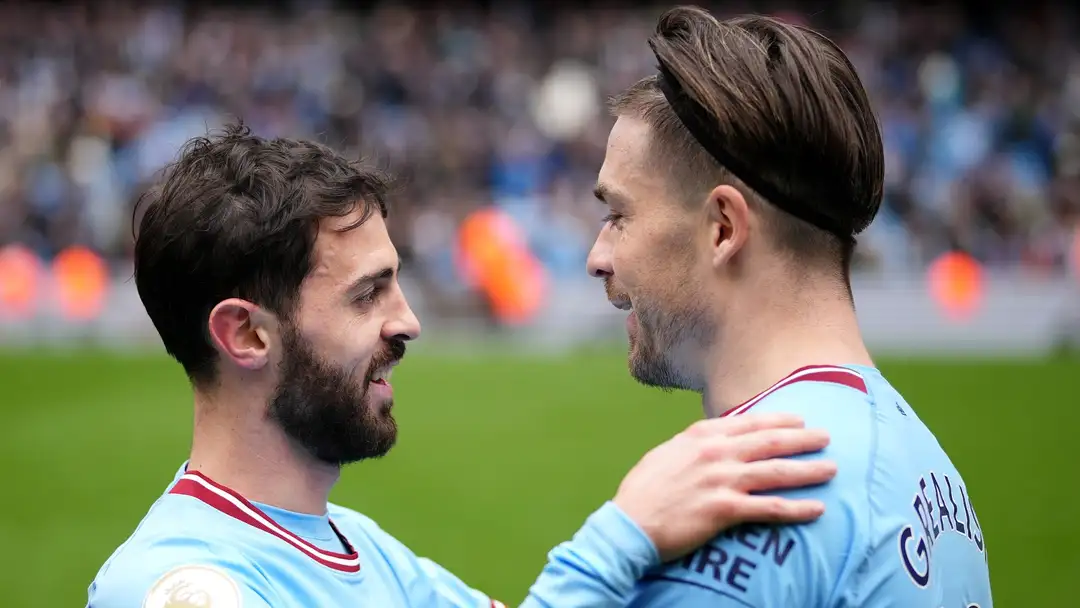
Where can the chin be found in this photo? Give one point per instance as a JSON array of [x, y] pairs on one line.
[[655, 371], [380, 410]]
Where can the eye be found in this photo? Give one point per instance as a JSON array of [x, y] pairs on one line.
[[613, 219], [367, 297]]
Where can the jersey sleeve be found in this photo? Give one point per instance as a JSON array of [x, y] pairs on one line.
[[451, 591], [598, 568], [179, 572]]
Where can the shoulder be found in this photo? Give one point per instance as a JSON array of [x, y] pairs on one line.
[[162, 571], [840, 401], [765, 566], [824, 393], [757, 565], [161, 564]]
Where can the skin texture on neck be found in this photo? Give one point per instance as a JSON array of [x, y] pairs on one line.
[[247, 452], [768, 338]]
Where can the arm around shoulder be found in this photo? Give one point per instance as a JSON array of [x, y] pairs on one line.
[[599, 567]]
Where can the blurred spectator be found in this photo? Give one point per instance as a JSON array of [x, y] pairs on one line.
[[979, 109]]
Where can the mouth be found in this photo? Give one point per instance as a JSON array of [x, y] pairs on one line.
[[622, 303], [381, 375]]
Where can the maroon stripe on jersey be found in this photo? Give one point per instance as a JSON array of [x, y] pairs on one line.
[[814, 373], [230, 503]]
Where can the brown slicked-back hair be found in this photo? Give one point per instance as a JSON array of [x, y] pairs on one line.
[[786, 102]]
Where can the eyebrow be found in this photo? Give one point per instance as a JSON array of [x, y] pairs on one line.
[[601, 192], [357, 287], [607, 195]]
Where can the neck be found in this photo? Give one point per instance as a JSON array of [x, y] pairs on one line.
[[237, 446], [773, 339]]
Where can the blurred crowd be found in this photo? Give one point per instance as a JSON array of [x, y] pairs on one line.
[[505, 106]]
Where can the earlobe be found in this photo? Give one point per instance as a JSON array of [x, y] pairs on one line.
[[236, 334]]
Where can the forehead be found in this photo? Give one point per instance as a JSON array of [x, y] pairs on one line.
[[626, 167], [341, 256]]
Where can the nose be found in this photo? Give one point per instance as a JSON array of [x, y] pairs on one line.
[[404, 325], [598, 263]]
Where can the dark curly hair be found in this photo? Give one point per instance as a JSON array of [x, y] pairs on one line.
[[237, 216]]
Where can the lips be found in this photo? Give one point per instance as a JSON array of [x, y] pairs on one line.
[[381, 376], [615, 296], [384, 361]]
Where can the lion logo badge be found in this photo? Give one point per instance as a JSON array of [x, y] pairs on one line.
[[193, 587]]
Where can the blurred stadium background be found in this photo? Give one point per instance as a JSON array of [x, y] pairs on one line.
[[517, 415]]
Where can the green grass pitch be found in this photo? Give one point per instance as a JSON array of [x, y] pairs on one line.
[[499, 459]]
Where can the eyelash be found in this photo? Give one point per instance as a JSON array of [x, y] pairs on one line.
[[367, 298], [612, 218]]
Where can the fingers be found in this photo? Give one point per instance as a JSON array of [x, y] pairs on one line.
[[773, 509], [741, 425], [782, 473], [776, 443]]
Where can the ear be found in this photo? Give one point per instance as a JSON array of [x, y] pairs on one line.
[[240, 331], [729, 223]]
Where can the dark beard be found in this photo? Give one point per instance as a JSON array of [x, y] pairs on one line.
[[323, 410]]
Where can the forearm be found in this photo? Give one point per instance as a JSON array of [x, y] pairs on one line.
[[598, 568]]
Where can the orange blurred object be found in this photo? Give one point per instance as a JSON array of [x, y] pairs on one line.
[[82, 283], [494, 257], [956, 284], [20, 281]]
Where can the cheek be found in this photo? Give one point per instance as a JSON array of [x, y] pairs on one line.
[[638, 258], [660, 267], [628, 261], [357, 341], [345, 339]]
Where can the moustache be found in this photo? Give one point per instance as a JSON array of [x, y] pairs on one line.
[[391, 354], [613, 293]]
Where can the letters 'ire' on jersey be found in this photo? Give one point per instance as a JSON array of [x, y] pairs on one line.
[[899, 528]]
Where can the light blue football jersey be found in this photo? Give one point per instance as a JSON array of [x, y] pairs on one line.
[[202, 544], [899, 528]]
